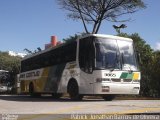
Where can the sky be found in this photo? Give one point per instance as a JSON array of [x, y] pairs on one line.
[[30, 24]]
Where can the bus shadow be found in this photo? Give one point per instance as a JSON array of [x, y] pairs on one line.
[[27, 98]]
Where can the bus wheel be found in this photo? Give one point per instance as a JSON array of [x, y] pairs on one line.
[[31, 91], [108, 97], [73, 91], [56, 95]]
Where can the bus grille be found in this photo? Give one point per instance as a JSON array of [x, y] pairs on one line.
[[116, 80], [119, 80], [127, 80]]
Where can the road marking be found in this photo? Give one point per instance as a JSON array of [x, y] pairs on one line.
[[144, 110], [74, 108], [31, 117], [63, 111]]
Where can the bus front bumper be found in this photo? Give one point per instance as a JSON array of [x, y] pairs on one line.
[[116, 88]]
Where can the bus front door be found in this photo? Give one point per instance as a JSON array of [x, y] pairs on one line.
[[87, 83]]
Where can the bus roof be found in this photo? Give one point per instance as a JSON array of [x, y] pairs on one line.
[[106, 36], [83, 36]]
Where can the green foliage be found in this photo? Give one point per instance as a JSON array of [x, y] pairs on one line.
[[155, 71], [29, 52], [71, 38], [9, 63]]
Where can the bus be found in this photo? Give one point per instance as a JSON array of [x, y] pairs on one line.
[[93, 64]]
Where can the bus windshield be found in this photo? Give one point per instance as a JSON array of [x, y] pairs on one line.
[[115, 54]]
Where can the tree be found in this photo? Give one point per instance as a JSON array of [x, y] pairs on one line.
[[95, 11], [155, 72], [9, 63], [71, 38], [29, 52]]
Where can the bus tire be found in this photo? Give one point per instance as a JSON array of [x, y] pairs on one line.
[[56, 95], [108, 97], [32, 92], [31, 89], [73, 91]]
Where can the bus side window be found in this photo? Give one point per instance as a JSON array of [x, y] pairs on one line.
[[86, 55]]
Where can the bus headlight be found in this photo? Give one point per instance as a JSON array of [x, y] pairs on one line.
[[136, 81], [105, 88]]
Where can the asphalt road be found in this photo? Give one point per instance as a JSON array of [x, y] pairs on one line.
[[47, 106]]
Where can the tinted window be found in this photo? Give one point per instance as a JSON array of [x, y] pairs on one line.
[[86, 54], [63, 54]]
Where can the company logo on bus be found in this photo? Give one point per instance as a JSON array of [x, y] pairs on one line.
[[110, 75], [34, 74]]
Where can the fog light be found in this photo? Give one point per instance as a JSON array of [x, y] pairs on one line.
[[105, 89], [136, 81], [99, 80], [136, 88]]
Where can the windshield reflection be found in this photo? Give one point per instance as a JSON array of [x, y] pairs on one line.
[[115, 54], [128, 56]]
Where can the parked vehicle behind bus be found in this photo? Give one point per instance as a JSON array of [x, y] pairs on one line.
[[5, 82], [93, 64]]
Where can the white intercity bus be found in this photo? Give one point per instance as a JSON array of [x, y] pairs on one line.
[[94, 64]]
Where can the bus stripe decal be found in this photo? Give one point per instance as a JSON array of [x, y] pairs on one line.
[[133, 76], [54, 77], [129, 76], [124, 75]]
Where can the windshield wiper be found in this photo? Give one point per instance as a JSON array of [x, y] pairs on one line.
[[116, 60], [130, 70], [96, 68], [122, 60]]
